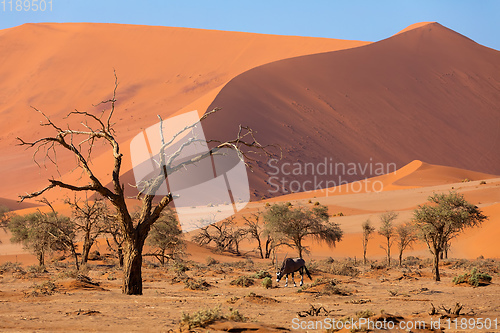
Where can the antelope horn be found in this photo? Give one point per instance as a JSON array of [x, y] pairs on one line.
[[285, 258]]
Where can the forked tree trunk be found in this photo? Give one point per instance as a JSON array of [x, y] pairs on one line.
[[132, 267]]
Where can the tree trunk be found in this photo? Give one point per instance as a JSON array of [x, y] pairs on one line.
[[132, 269], [401, 258], [162, 257], [436, 266], [388, 253], [41, 259], [75, 255], [259, 246], [86, 248], [364, 255], [120, 256], [269, 247]]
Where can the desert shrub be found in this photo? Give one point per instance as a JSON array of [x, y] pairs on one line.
[[179, 267], [247, 264], [482, 182], [267, 283], [41, 289], [261, 275], [199, 284], [331, 287], [474, 278], [317, 203], [411, 261], [211, 261], [309, 201], [205, 317], [343, 268], [201, 318], [268, 204], [10, 267], [364, 314], [235, 315], [242, 281], [466, 180], [60, 264]]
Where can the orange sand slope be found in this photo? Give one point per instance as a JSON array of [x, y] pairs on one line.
[[415, 174], [428, 93], [60, 67]]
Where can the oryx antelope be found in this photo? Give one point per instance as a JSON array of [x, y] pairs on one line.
[[290, 266]]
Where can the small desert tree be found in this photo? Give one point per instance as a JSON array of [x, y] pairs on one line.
[[293, 225], [443, 218], [225, 235], [387, 231], [257, 231], [4, 218], [113, 229], [368, 231], [42, 233], [97, 129], [406, 235], [90, 219], [166, 237]]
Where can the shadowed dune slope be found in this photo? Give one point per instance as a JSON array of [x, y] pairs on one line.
[[428, 93], [161, 70]]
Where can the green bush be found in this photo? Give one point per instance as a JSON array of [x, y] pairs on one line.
[[201, 318], [10, 267], [205, 317], [261, 275], [235, 315], [474, 278], [267, 282], [242, 281]]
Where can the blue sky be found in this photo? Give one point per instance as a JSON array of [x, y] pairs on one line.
[[369, 20]]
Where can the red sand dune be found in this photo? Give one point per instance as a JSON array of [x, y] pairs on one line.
[[161, 70], [429, 94]]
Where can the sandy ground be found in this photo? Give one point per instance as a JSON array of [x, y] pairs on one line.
[[76, 307]]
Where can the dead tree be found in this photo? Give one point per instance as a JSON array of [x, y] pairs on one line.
[[223, 235], [256, 231], [100, 129], [90, 219], [406, 235], [113, 229]]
